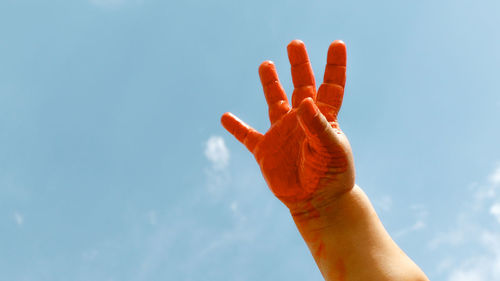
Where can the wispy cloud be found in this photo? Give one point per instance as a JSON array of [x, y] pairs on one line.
[[495, 211], [420, 212], [240, 222], [218, 223], [495, 176], [18, 218], [217, 152], [217, 175], [474, 230], [485, 267], [418, 225], [452, 238]]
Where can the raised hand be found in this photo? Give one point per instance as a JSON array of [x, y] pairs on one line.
[[308, 164], [304, 156]]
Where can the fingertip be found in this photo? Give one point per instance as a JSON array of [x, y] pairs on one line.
[[267, 72], [225, 116], [266, 64], [337, 53], [296, 43], [234, 125], [338, 42], [226, 119], [297, 52]]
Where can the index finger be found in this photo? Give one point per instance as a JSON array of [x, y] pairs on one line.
[[274, 92]]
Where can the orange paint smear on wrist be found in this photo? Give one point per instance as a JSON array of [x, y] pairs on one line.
[[340, 270], [336, 271]]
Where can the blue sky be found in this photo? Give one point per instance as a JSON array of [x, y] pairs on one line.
[[114, 165]]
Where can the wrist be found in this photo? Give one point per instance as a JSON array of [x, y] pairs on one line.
[[348, 241], [319, 214]]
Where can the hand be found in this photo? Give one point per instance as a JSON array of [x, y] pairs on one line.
[[307, 162], [305, 158]]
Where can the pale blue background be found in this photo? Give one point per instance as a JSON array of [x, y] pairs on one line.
[[106, 107]]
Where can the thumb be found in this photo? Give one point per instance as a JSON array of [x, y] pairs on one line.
[[315, 125]]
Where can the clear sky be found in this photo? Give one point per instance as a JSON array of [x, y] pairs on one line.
[[113, 164]]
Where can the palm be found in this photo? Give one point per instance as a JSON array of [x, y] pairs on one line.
[[279, 154], [304, 156]]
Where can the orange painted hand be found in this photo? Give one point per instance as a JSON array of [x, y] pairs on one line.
[[305, 158]]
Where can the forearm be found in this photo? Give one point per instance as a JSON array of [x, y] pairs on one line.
[[348, 242]]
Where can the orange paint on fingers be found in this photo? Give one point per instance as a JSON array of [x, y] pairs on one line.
[[273, 91], [330, 97], [302, 73], [241, 131], [336, 64], [331, 92]]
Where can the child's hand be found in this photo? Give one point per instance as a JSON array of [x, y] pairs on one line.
[[308, 164], [304, 157]]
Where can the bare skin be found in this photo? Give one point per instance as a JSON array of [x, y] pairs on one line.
[[307, 162]]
